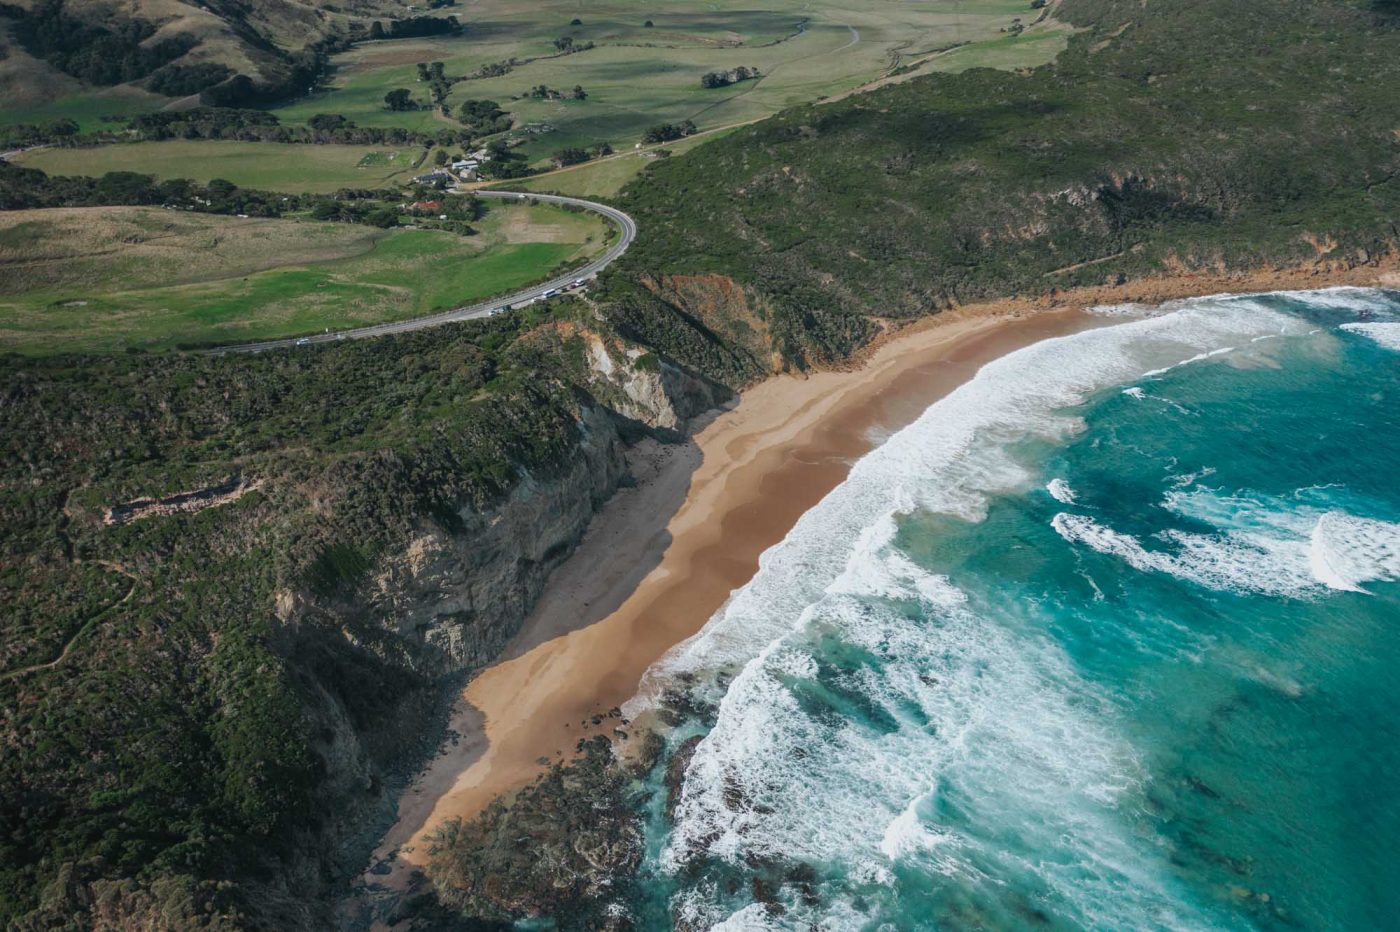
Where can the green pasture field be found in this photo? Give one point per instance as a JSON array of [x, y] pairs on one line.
[[637, 77], [110, 278], [268, 165], [93, 110]]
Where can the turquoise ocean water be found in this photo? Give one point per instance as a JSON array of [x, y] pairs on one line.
[[1109, 638]]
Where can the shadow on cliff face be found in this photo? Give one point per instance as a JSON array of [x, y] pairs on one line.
[[625, 541]]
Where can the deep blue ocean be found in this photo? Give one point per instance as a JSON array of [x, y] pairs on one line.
[[1109, 639]]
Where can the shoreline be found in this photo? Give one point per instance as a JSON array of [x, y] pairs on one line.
[[638, 584]]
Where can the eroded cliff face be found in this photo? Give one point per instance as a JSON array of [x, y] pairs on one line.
[[458, 596], [645, 388]]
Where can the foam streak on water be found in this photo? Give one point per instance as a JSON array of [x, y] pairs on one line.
[[955, 694]]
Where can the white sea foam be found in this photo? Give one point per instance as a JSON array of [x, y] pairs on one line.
[[1242, 563], [1126, 309], [956, 703], [961, 709], [1345, 551], [1289, 547], [1386, 334], [1061, 492], [1348, 298], [1135, 392]]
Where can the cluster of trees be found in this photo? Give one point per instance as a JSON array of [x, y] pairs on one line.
[[668, 132], [299, 71], [29, 188], [483, 117], [18, 135], [439, 84], [505, 162], [725, 78], [567, 44], [431, 71], [415, 27], [261, 126], [114, 53], [544, 92], [400, 100], [495, 69], [183, 80], [574, 155]]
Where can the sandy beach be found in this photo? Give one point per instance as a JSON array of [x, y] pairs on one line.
[[663, 556]]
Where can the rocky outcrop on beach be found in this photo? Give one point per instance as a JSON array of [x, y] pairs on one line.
[[584, 843]]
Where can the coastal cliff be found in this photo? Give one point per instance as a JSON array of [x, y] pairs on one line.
[[260, 641]]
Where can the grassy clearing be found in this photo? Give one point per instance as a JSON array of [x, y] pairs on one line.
[[606, 177], [104, 279], [1027, 50], [275, 166], [637, 77], [92, 110]]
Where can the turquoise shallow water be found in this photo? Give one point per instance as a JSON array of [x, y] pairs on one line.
[[1108, 639]]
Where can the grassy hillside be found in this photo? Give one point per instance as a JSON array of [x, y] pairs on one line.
[[58, 49], [98, 279], [1169, 136]]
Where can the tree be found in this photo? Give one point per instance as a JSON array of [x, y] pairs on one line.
[[383, 217], [648, 24], [376, 30], [483, 117], [570, 156], [668, 132], [218, 188], [399, 99], [422, 71], [575, 22], [61, 127], [440, 157], [327, 122], [564, 43]]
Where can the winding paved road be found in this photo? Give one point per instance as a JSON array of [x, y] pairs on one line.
[[626, 226]]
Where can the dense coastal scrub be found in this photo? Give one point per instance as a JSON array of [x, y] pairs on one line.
[[207, 680]]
